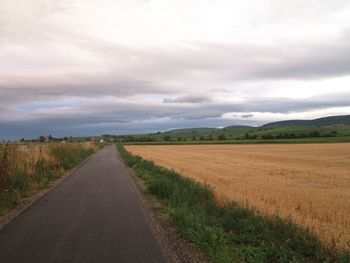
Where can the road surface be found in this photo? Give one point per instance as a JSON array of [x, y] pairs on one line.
[[93, 216]]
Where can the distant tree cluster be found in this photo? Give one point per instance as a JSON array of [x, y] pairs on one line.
[[130, 138], [286, 135], [222, 137]]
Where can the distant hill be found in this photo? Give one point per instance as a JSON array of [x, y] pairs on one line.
[[236, 127], [200, 129], [328, 129], [326, 121]]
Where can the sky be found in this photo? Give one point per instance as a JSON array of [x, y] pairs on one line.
[[90, 67]]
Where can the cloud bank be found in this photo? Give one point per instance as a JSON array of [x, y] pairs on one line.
[[91, 67]]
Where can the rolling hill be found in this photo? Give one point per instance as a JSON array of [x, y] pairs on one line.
[[326, 121], [334, 128]]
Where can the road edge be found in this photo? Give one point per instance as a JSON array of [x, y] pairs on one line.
[[27, 202], [173, 246]]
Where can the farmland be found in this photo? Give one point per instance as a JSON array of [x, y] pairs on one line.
[[308, 182]]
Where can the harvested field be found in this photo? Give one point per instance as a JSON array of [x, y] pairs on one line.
[[308, 182]]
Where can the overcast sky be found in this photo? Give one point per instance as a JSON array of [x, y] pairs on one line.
[[88, 67]]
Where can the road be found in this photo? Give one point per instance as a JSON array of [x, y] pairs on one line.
[[95, 215]]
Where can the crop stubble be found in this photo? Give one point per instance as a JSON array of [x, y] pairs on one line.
[[308, 182]]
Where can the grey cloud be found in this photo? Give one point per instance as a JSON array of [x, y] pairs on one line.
[[171, 70], [247, 116], [284, 61], [95, 117], [188, 99], [310, 62], [24, 90]]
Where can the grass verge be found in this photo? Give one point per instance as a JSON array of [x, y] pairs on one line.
[[231, 233], [23, 175]]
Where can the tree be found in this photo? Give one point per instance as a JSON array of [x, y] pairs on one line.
[[167, 138], [267, 137], [253, 136], [222, 137], [315, 134]]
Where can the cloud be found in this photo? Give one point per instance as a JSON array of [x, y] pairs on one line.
[[80, 67], [247, 116], [117, 114], [188, 99]]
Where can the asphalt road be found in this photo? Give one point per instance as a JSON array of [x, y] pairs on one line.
[[93, 216]]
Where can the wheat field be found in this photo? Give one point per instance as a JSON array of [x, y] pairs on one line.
[[308, 182]]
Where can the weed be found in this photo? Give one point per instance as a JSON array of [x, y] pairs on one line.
[[19, 181]]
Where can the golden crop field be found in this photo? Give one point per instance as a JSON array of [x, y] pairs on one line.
[[308, 182]]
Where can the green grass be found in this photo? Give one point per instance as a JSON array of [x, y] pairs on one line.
[[20, 184], [231, 233], [70, 157]]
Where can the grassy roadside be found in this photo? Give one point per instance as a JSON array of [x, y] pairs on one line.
[[27, 169], [231, 233]]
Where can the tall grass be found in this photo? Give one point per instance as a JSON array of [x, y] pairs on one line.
[[229, 233], [26, 168]]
